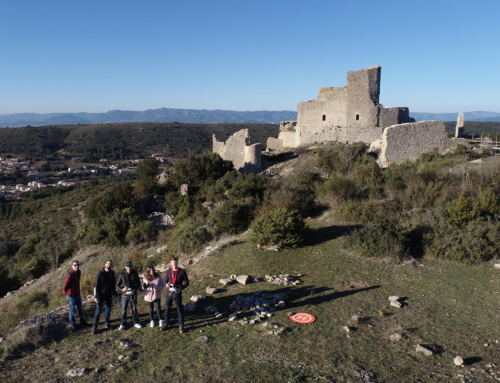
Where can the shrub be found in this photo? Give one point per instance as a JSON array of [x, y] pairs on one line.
[[232, 217], [36, 297], [87, 281], [139, 260], [479, 242], [488, 203], [360, 212], [280, 227], [460, 211], [422, 195], [379, 238], [188, 239], [143, 232], [341, 158], [338, 189]]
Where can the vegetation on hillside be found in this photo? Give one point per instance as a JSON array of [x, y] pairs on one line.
[[122, 141]]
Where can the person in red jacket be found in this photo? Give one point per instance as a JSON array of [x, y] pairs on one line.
[[71, 289], [176, 280]]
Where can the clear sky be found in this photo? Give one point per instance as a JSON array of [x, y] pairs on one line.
[[96, 56]]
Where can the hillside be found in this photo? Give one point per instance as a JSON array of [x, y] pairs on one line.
[[123, 141], [423, 232]]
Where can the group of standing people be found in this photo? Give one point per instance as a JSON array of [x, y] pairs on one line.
[[128, 285]]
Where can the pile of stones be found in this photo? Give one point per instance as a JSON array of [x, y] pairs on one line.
[[160, 220], [282, 279]]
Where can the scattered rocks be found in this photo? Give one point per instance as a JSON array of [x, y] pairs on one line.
[[160, 249], [189, 307], [281, 304], [396, 304], [424, 350], [347, 329], [124, 344], [242, 279], [121, 357], [395, 337], [355, 318], [226, 281], [282, 279], [458, 361], [243, 322], [198, 298], [77, 372], [212, 309], [232, 318], [278, 332], [212, 290]]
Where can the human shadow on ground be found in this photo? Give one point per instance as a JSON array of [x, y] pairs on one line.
[[297, 297], [472, 360], [323, 234]]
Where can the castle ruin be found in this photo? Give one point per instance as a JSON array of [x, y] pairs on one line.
[[353, 113], [240, 152], [350, 113]]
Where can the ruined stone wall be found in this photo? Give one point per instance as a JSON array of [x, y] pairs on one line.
[[238, 150], [362, 122], [410, 140]]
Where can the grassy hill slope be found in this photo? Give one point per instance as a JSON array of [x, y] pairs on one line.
[[450, 307]]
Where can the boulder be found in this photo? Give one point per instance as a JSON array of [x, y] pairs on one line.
[[393, 298], [242, 279], [226, 281], [197, 298], [232, 318], [396, 304], [212, 290], [458, 361]]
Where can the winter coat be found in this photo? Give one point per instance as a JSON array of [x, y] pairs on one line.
[[125, 280], [149, 288]]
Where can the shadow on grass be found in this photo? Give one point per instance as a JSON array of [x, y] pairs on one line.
[[316, 236], [473, 360]]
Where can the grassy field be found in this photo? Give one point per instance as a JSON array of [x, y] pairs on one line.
[[451, 307]]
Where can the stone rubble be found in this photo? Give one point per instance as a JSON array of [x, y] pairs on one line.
[[160, 220], [396, 304], [242, 279], [282, 279], [226, 281], [393, 298]]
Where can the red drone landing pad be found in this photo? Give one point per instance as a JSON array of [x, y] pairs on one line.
[[302, 318]]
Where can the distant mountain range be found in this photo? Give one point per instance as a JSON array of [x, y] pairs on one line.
[[468, 116], [191, 116], [194, 116]]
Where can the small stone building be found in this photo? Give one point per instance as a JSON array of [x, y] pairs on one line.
[[240, 152], [350, 113]]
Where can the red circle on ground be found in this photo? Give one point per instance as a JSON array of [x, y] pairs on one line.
[[302, 318]]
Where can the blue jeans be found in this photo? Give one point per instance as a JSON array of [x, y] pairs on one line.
[[133, 303], [103, 299], [178, 304], [72, 302]]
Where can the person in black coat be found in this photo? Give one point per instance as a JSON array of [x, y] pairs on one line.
[[104, 290], [128, 283], [176, 281]]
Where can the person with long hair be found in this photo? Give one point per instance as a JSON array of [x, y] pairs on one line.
[[152, 284]]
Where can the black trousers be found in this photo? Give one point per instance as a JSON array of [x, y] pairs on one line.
[[157, 306], [178, 303]]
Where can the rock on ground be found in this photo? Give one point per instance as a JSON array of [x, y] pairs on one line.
[[212, 290], [243, 279], [458, 361], [395, 337], [226, 281], [393, 298], [189, 307], [424, 350], [197, 298], [77, 372]]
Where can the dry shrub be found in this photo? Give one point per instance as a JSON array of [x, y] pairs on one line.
[[300, 150], [26, 337], [87, 281], [139, 260]]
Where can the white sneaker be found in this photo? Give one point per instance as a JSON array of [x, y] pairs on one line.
[[137, 325], [161, 323], [122, 327], [152, 323]]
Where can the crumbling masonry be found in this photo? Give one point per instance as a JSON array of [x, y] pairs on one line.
[[238, 149], [353, 113]]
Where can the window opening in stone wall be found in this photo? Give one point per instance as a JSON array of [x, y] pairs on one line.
[[324, 117], [357, 117]]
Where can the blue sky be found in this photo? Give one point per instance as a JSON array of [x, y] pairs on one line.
[[96, 56]]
